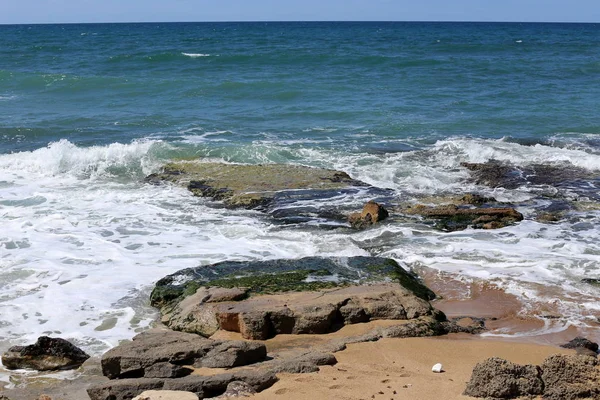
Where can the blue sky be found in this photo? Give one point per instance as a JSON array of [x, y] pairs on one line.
[[47, 11]]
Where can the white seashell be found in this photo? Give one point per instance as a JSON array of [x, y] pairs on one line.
[[437, 368]]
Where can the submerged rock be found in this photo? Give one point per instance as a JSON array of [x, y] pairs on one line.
[[452, 217], [45, 355], [250, 186]]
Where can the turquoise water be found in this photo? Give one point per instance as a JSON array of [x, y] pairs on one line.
[[98, 84], [87, 111]]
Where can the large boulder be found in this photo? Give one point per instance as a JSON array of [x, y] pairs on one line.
[[501, 379], [310, 295], [568, 377], [45, 355], [164, 354]]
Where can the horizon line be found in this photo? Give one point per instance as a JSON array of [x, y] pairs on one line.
[[299, 21]]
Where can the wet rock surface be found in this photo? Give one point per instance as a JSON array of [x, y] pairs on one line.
[[291, 194], [451, 217], [371, 214], [45, 355]]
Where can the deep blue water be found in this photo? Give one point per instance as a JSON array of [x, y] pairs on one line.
[[104, 83]]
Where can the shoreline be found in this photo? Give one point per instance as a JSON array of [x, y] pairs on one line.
[[370, 368]]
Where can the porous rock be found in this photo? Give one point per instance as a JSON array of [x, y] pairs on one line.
[[502, 379], [162, 353], [45, 355], [569, 377]]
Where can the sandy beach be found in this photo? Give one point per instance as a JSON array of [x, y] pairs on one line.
[[401, 369]]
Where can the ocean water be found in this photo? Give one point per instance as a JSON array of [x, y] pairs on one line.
[[87, 111]]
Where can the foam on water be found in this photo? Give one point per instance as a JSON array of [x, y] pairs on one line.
[[84, 239], [80, 249]]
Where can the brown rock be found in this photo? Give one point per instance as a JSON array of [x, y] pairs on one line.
[[501, 379], [569, 377], [162, 353], [372, 213], [264, 316]]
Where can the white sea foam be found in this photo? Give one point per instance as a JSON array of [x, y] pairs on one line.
[[195, 55], [83, 239]]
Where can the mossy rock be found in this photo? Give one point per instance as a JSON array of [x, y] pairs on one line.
[[275, 276]]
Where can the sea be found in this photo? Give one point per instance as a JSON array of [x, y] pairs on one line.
[[87, 111]]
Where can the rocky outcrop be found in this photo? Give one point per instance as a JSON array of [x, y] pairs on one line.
[[452, 217], [310, 295], [569, 377], [250, 186], [46, 354], [372, 213], [560, 377], [164, 354], [202, 386], [500, 379]]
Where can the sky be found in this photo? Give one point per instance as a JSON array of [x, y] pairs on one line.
[[79, 11]]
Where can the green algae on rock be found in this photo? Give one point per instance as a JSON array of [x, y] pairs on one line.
[[260, 299], [272, 276], [250, 186]]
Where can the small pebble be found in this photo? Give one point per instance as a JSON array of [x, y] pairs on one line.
[[437, 368]]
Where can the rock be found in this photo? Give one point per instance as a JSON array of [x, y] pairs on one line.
[[501, 379], [498, 174], [315, 312], [437, 368], [453, 217], [302, 363], [162, 353], [309, 295], [166, 395], [582, 346], [124, 389], [202, 386], [250, 186], [237, 389], [372, 213], [45, 355], [569, 377]]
